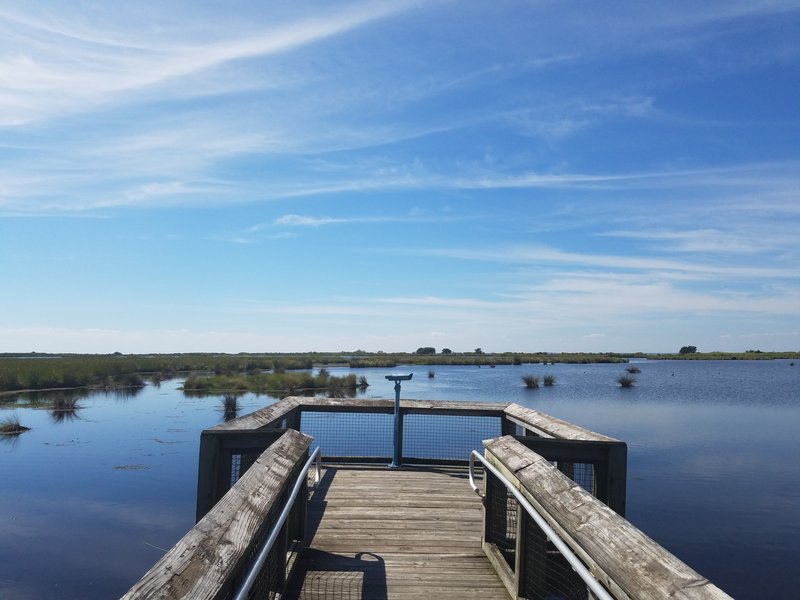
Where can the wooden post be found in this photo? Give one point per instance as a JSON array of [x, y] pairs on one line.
[[617, 478], [507, 426], [293, 418], [217, 448], [207, 473]]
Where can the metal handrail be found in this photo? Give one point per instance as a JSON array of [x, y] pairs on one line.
[[244, 590], [597, 588]]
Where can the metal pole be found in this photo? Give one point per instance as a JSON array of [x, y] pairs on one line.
[[397, 432], [398, 429]]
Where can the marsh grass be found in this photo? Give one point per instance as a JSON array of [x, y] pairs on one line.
[[431, 374], [64, 407], [11, 425], [633, 369], [33, 371], [531, 381], [65, 403], [275, 384], [549, 380], [230, 406], [626, 381]]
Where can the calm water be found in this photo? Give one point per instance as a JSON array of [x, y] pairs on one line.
[[89, 503]]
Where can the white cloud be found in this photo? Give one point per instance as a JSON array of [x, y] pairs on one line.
[[306, 221], [69, 66]]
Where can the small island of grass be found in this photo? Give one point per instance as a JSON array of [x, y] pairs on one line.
[[12, 426]]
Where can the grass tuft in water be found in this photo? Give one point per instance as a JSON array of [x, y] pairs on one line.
[[12, 426], [230, 406], [626, 381], [531, 381]]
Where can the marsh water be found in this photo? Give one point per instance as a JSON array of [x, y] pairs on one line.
[[91, 498]]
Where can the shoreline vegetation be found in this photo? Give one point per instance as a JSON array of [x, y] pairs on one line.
[[277, 372]]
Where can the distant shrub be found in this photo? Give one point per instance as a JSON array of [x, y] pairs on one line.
[[531, 381]]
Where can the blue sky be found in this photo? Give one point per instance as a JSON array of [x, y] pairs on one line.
[[292, 176]]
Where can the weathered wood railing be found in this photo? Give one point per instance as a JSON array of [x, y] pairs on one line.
[[624, 560], [432, 432], [247, 465], [213, 558]]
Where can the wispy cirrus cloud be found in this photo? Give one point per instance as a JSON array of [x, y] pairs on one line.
[[549, 255], [69, 65], [708, 240]]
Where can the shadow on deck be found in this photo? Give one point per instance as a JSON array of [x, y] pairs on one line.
[[379, 533]]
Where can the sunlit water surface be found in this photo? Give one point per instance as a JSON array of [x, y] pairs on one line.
[[90, 501]]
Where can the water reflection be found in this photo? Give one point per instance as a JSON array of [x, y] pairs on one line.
[[711, 466], [10, 440], [125, 393], [64, 405]]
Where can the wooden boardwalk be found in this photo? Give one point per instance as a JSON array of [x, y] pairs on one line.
[[379, 533]]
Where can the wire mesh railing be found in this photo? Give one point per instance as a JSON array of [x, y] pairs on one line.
[[266, 572], [366, 433], [544, 566]]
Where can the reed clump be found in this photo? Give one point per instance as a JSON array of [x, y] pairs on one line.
[[230, 406], [633, 369], [531, 381], [12, 426], [549, 380], [626, 381]]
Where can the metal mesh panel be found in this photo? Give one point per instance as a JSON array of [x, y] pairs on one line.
[[367, 435], [581, 473], [240, 462], [547, 574], [271, 577], [236, 468], [501, 516], [446, 437], [269, 581]]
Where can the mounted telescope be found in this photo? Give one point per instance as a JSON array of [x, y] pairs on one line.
[[398, 426]]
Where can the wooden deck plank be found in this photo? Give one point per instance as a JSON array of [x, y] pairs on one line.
[[383, 533]]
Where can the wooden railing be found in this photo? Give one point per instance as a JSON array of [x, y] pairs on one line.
[[431, 432], [575, 478], [624, 560], [213, 558]]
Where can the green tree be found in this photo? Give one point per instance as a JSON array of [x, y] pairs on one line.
[[426, 350], [446, 351], [687, 350]]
